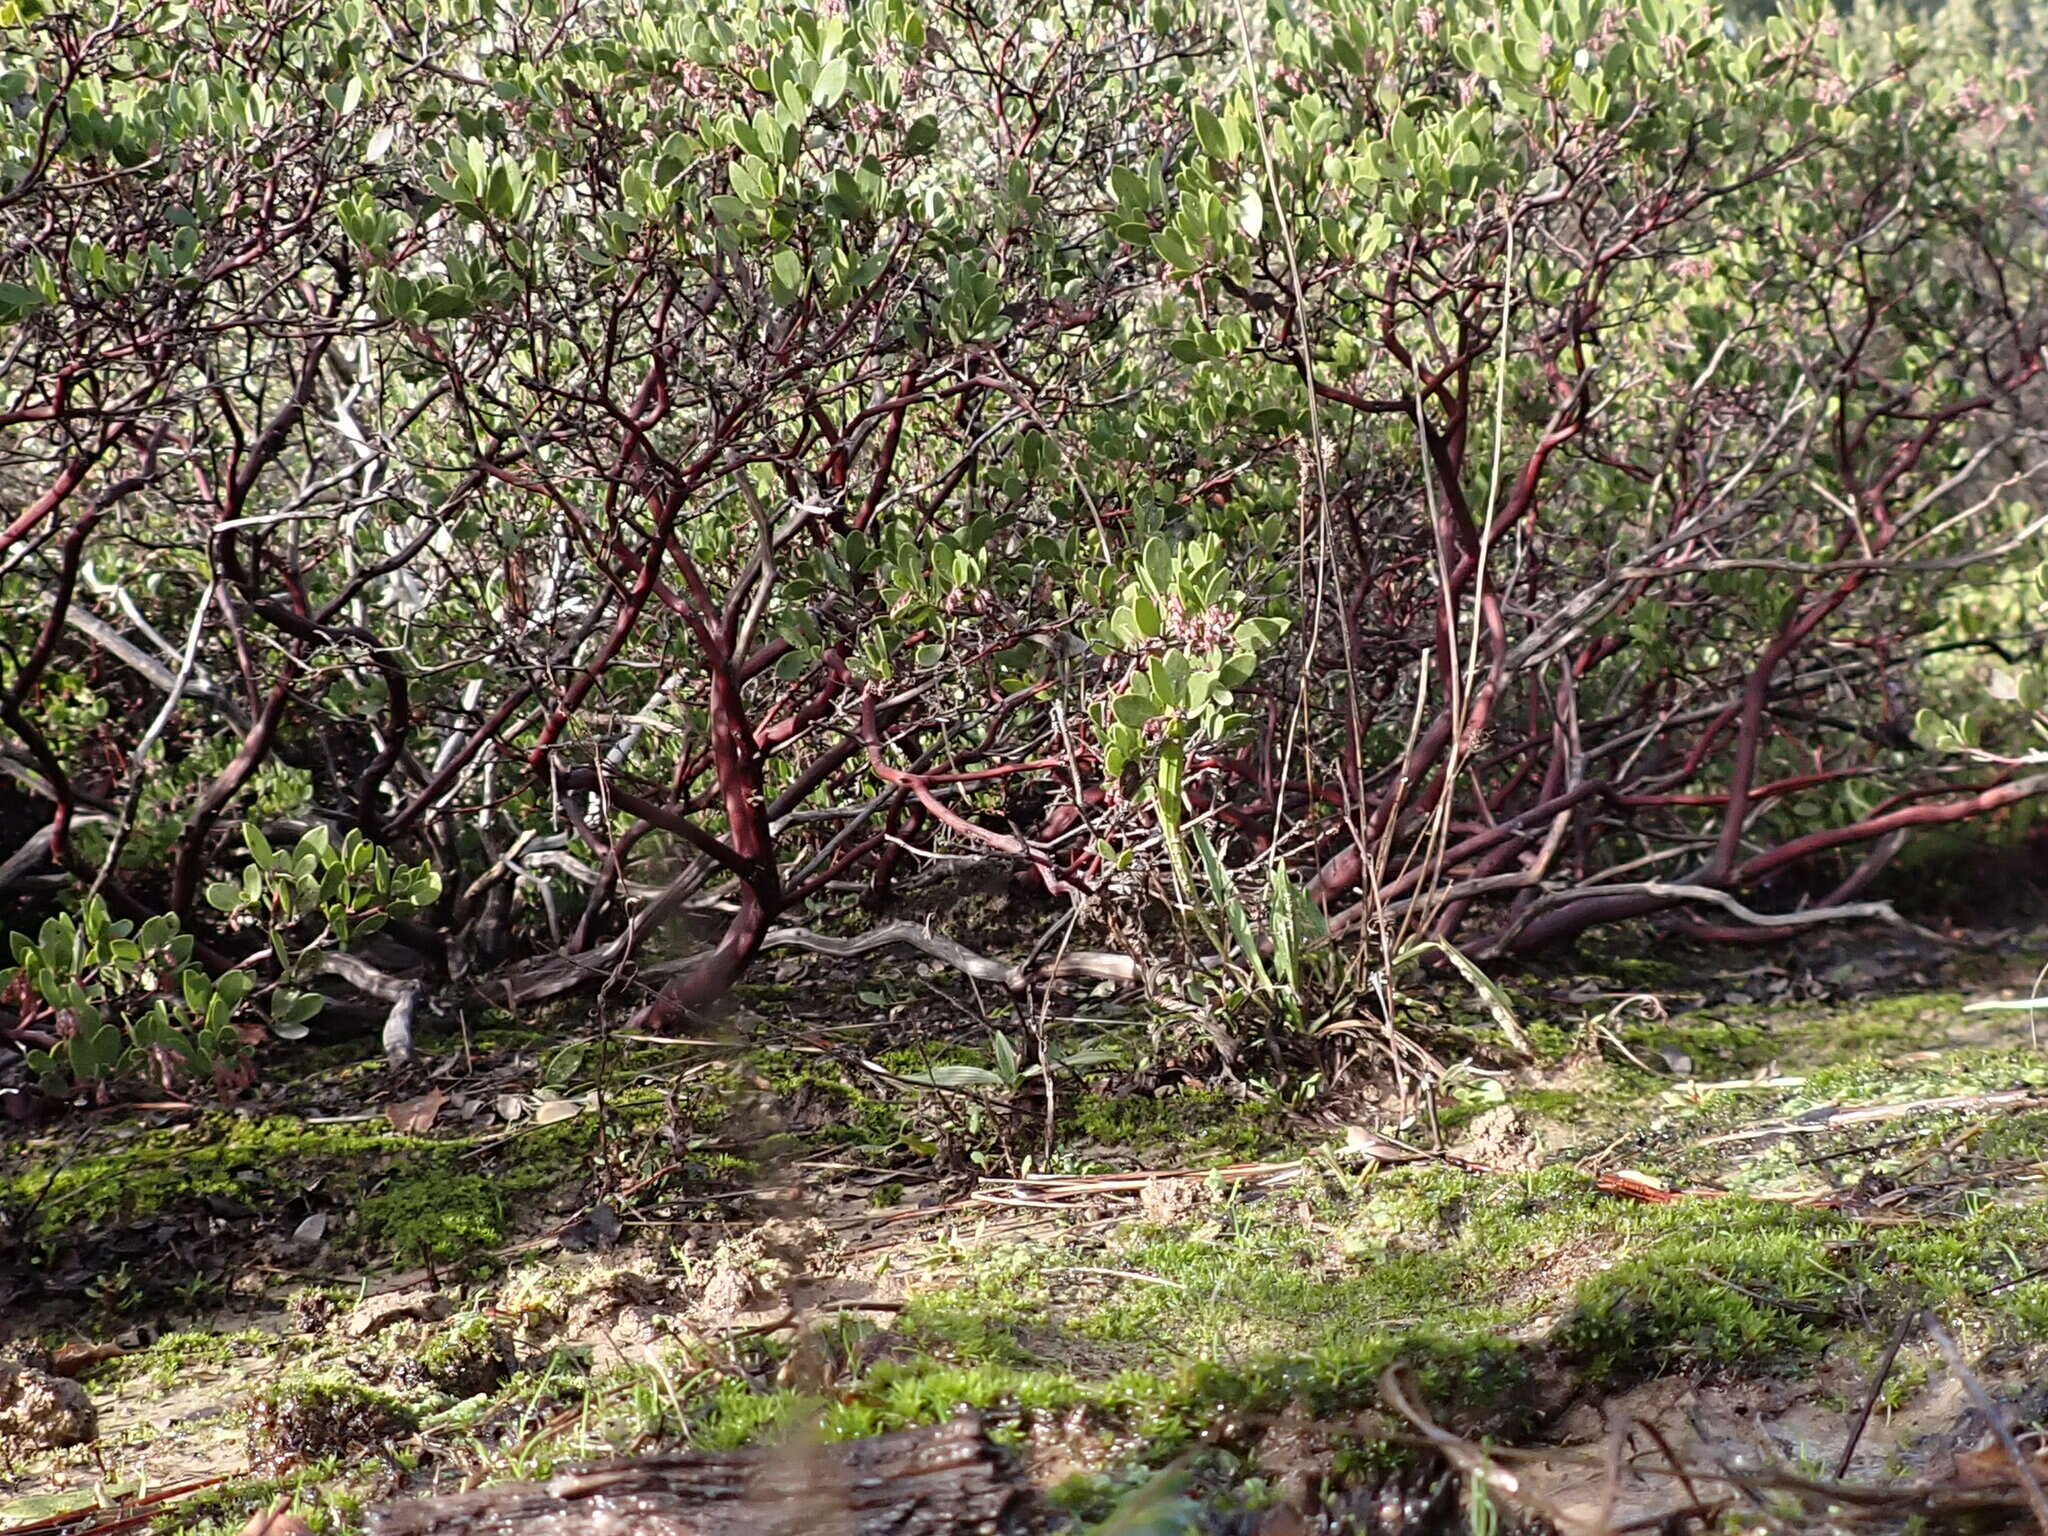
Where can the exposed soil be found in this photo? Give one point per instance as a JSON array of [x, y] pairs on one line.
[[1705, 1208]]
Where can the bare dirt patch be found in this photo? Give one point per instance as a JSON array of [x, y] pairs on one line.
[[1724, 1265]]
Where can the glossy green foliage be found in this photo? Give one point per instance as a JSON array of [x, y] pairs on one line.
[[112, 1001], [1317, 427]]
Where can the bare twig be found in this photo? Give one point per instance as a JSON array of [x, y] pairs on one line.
[[2022, 1468], [1877, 1381]]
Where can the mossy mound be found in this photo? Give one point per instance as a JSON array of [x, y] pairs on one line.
[[462, 1358], [310, 1417]]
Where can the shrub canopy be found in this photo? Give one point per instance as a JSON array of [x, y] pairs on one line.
[[1505, 469]]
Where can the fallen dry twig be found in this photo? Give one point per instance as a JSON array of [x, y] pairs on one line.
[[1877, 1381], [2022, 1468], [1875, 1114], [121, 1515], [943, 1481]]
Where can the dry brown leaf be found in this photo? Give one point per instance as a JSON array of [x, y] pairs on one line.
[[1991, 1465], [72, 1359], [416, 1116], [554, 1111], [276, 1521]]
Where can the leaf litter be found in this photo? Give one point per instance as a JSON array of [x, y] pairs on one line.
[[1682, 1444]]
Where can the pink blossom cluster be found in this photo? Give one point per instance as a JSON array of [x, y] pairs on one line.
[[1209, 630], [1832, 91], [1986, 112]]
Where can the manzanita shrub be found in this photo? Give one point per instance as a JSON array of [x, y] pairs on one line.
[[1664, 382], [1485, 471], [98, 999]]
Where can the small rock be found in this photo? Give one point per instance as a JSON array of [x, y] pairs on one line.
[[639, 1325], [738, 1281], [39, 1411], [1678, 1061], [754, 1268], [1501, 1139], [793, 1241], [380, 1312], [598, 1227], [1165, 1202], [605, 1293]]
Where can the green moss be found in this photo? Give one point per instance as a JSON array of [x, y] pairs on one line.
[[737, 1415], [834, 1108], [1727, 1041], [1608, 956], [307, 1418], [443, 1199], [538, 1160], [1153, 1416], [962, 1331], [435, 1215], [1877, 1079], [1188, 1331], [1873, 1027], [462, 1357], [317, 1494], [2014, 1138], [175, 1356], [1430, 1263], [1194, 1122], [1750, 1287], [906, 1059], [1720, 1045], [1561, 1103], [155, 1171]]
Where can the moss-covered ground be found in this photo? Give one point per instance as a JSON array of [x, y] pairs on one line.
[[806, 1224]]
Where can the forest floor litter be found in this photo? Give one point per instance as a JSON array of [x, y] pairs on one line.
[[1710, 1238]]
